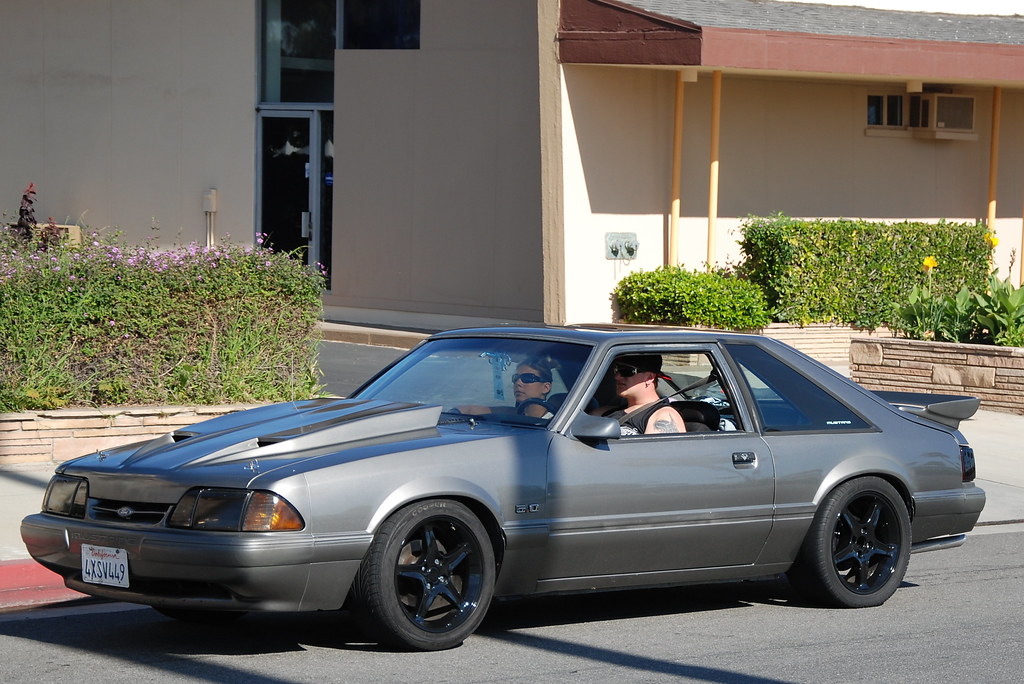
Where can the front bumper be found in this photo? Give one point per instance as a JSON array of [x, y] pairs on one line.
[[282, 571]]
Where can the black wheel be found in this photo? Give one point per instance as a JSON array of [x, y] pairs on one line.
[[533, 401], [428, 577], [857, 549], [201, 617]]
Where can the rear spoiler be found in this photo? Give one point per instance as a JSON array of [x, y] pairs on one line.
[[947, 409]]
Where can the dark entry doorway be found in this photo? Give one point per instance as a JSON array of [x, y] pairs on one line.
[[296, 178]]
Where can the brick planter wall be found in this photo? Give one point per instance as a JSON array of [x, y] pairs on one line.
[[993, 374], [59, 435]]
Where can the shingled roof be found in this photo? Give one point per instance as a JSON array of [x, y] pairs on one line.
[[773, 36], [839, 20]]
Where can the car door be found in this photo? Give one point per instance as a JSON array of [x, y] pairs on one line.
[[659, 503]]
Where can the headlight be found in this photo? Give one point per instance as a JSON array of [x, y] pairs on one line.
[[234, 510], [66, 496]]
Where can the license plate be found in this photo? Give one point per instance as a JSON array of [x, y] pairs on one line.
[[104, 565]]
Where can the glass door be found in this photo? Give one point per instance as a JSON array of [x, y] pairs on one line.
[[296, 175]]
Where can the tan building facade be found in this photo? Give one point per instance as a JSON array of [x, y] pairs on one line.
[[124, 113], [519, 158]]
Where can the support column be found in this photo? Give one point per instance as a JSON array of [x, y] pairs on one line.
[[993, 155], [677, 172], [716, 115]]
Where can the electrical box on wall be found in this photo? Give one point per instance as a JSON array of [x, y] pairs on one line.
[[210, 201], [620, 245]]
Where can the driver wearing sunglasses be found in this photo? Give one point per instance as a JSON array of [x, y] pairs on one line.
[[636, 380]]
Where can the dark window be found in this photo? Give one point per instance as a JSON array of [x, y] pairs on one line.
[[380, 24], [885, 110], [876, 114], [297, 52], [788, 401], [894, 110]]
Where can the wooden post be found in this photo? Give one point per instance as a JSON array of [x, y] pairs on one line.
[[993, 156], [677, 172], [716, 115]]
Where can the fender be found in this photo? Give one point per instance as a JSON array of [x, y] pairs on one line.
[[434, 488]]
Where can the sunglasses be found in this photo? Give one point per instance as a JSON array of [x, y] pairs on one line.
[[625, 370], [527, 378]]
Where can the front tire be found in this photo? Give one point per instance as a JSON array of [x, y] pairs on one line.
[[857, 548], [427, 580]]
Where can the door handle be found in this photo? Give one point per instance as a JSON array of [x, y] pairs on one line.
[[744, 459], [306, 229]]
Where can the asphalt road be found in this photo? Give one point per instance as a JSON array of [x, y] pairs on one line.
[[346, 366], [957, 618]]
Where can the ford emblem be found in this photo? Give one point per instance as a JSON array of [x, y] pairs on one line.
[[125, 512]]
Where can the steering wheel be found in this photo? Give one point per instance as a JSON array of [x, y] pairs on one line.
[[526, 403]]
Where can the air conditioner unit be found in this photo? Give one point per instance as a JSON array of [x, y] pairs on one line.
[[942, 116]]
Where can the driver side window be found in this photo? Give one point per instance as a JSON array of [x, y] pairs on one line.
[[638, 385]]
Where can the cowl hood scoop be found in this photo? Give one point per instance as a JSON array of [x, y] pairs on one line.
[[278, 432]]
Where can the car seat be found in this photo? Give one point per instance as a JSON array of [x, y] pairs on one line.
[[699, 416]]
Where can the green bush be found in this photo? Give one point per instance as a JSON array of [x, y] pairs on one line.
[[857, 272], [672, 295], [108, 323]]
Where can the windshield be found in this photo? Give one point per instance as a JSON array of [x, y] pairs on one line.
[[507, 379]]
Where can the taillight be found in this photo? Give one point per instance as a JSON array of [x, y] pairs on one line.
[[967, 463]]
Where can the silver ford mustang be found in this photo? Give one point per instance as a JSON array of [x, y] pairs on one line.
[[507, 462]]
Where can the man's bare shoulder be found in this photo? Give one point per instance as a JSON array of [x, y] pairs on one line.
[[665, 421]]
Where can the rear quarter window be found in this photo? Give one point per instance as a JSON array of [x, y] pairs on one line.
[[786, 400]]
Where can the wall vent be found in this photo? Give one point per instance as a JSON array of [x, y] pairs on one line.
[[942, 116]]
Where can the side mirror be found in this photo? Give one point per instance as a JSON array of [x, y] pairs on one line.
[[590, 428]]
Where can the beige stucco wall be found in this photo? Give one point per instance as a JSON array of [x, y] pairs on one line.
[[123, 112], [437, 177], [793, 146]]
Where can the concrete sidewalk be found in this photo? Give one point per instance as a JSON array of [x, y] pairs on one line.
[[996, 437]]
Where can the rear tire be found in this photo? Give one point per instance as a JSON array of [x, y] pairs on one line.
[[428, 577], [858, 546]]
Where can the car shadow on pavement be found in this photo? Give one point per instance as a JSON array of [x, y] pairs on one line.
[[637, 603], [167, 647]]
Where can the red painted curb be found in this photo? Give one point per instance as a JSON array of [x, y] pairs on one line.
[[26, 583]]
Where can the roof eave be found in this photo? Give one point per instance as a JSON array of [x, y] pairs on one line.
[[608, 32], [862, 56]]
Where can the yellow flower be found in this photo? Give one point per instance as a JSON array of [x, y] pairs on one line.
[[991, 239], [929, 263]]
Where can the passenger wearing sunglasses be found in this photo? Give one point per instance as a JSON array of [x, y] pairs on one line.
[[646, 412], [530, 386]]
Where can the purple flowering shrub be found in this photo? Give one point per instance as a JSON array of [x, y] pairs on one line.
[[108, 323]]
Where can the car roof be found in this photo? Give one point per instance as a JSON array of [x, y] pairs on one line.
[[606, 333]]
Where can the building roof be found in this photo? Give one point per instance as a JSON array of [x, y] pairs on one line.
[[790, 38], [839, 20]]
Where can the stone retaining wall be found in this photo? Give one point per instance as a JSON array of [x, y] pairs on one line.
[[58, 435], [829, 344], [993, 374]]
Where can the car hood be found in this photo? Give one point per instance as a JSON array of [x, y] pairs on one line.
[[267, 438]]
